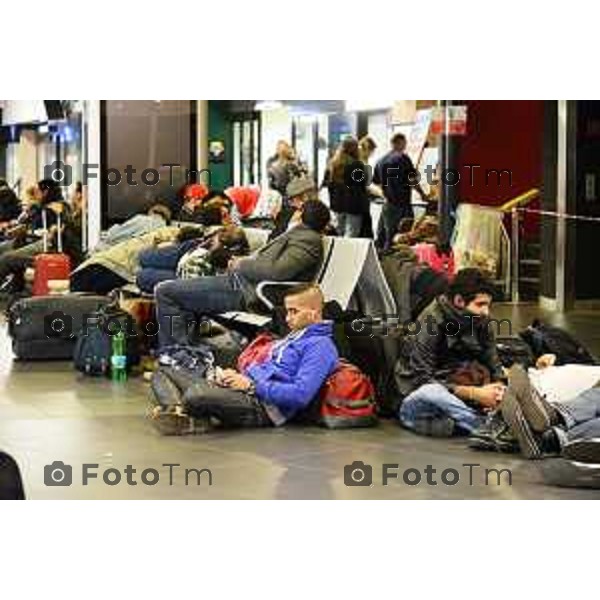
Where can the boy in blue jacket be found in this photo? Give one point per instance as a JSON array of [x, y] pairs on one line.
[[273, 392]]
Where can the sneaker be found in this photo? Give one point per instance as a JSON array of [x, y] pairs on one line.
[[583, 450], [436, 427], [494, 436], [539, 413], [171, 421], [513, 415]]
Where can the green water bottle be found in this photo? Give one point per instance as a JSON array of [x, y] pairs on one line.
[[118, 359]]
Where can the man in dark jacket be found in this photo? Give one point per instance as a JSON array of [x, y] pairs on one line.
[[294, 256], [449, 372], [394, 173], [270, 393]]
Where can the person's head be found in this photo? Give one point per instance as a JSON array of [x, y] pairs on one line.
[[303, 306], [189, 232], [220, 200], [472, 291], [47, 191], [283, 150], [195, 192], [233, 239], [77, 197], [366, 147], [346, 153], [316, 215], [209, 216], [300, 190], [162, 211], [398, 142]]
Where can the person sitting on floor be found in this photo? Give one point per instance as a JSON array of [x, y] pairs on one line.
[[294, 256], [552, 407], [270, 393], [449, 373], [194, 254]]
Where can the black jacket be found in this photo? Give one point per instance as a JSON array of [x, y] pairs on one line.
[[435, 352], [353, 200]]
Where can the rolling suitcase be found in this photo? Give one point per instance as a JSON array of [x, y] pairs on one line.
[[46, 327], [50, 266]]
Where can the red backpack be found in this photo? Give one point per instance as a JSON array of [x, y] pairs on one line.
[[256, 352], [347, 399]]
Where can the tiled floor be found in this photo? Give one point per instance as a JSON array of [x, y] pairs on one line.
[[47, 413]]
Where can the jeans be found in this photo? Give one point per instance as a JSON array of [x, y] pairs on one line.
[[434, 401], [165, 258], [96, 279], [233, 408], [581, 415], [391, 215], [349, 225], [148, 278], [180, 301]]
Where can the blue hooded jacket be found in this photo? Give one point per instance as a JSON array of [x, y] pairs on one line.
[[299, 365]]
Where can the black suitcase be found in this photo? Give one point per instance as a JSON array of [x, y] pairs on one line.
[[46, 327]]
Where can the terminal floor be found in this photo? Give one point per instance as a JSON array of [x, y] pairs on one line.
[[47, 413]]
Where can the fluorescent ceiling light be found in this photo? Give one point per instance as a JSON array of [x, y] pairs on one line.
[[268, 105], [359, 105]]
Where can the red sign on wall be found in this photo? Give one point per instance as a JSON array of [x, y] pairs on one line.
[[449, 120]]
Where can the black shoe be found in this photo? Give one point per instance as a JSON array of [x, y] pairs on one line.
[[494, 436], [439, 428], [583, 450]]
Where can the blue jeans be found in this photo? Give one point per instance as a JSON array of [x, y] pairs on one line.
[[391, 215], [581, 415], [165, 258], [184, 301], [148, 278], [434, 401], [349, 225]]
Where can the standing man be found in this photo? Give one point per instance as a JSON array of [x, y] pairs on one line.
[[395, 173]]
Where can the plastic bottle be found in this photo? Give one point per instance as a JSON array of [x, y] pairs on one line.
[[118, 359]]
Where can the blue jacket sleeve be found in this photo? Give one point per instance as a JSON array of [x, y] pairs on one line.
[[318, 362]]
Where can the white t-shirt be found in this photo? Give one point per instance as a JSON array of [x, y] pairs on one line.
[[560, 384]]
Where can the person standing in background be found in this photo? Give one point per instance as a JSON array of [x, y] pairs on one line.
[[349, 200], [393, 173]]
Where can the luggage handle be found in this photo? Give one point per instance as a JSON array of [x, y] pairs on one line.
[[59, 246]]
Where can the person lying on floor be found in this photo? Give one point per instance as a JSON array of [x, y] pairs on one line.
[[194, 254], [216, 199], [294, 256], [550, 408], [449, 373], [270, 393]]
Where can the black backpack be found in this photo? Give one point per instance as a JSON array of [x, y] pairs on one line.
[[547, 339], [93, 348], [514, 350]]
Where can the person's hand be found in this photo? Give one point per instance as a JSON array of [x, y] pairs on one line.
[[56, 207], [545, 361], [233, 263], [490, 395], [235, 380]]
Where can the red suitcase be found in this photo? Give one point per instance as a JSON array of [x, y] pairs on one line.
[[49, 266]]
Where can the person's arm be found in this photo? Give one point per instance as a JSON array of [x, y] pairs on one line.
[[487, 396], [423, 356], [316, 364], [413, 169], [294, 257]]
